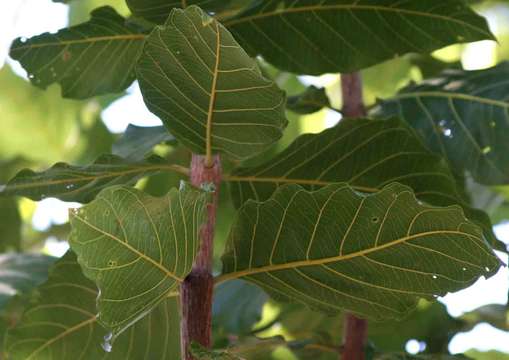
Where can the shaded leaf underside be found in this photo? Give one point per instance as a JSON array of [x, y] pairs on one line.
[[61, 324], [207, 91], [137, 248], [366, 154], [462, 115], [336, 249]]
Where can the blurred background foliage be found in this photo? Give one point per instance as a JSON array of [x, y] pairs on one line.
[[40, 128]]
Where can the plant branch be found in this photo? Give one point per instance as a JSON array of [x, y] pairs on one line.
[[196, 290], [355, 329]]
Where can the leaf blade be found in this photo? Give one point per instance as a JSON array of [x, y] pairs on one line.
[[196, 78], [125, 235], [331, 249]]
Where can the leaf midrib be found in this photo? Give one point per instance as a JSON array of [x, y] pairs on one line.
[[306, 263], [212, 102], [314, 8], [81, 41]]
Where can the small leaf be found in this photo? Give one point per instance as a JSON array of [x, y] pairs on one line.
[[312, 100], [237, 306], [82, 183], [202, 353], [335, 249], [463, 116], [93, 58], [344, 36], [207, 91], [366, 154], [137, 248], [61, 324], [20, 273], [137, 141]]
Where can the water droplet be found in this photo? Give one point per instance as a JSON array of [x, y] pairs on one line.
[[70, 186], [31, 76], [106, 344], [493, 124], [23, 39], [435, 277], [464, 269], [486, 150], [487, 268], [177, 52]]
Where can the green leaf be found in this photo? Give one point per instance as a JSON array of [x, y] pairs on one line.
[[10, 224], [335, 249], [237, 306], [207, 91], [463, 116], [137, 141], [61, 324], [310, 101], [93, 58], [137, 248], [157, 11], [20, 273], [366, 154], [202, 353], [82, 183], [344, 36]]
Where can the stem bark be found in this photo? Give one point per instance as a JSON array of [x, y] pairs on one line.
[[355, 329], [196, 290]]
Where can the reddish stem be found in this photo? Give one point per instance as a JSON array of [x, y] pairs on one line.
[[196, 290], [355, 329]]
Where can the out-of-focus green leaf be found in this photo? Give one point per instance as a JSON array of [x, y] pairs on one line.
[[237, 306], [201, 353], [207, 91], [82, 183], [10, 224], [94, 58], [138, 141], [463, 116], [60, 323], [136, 248], [344, 35], [487, 355], [20, 273], [313, 99], [367, 154], [157, 11], [335, 249], [494, 314]]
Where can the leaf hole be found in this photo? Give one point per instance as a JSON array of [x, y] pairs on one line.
[[375, 219], [112, 263]]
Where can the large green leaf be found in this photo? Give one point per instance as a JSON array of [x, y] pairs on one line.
[[137, 248], [82, 183], [463, 116], [138, 141], [61, 324], [374, 255], [366, 154], [157, 11], [307, 36], [207, 91], [19, 273], [92, 58]]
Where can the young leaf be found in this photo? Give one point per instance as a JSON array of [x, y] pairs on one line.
[[137, 141], [93, 58], [82, 183], [20, 273], [207, 91], [366, 154], [315, 37], [61, 324], [463, 116], [336, 249], [313, 99], [137, 248]]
